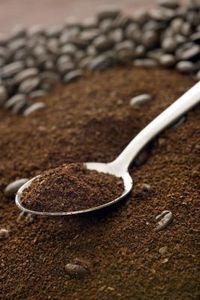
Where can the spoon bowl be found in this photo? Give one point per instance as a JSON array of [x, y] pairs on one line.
[[108, 168], [119, 167]]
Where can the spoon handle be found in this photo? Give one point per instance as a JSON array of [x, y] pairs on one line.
[[168, 116]]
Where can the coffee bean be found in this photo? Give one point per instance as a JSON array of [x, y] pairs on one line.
[[3, 95], [139, 51], [161, 14], [37, 94], [83, 63], [198, 75], [164, 219], [116, 35], [185, 66], [141, 17], [17, 44], [34, 107], [146, 62], [12, 188], [64, 59], [25, 74], [53, 31], [186, 29], [163, 250], [30, 62], [76, 271], [140, 99], [18, 98], [176, 25], [20, 54], [167, 60], [65, 67], [150, 39], [195, 37], [28, 85], [72, 76], [108, 13], [92, 51], [106, 25], [102, 43], [89, 23], [188, 51], [49, 77], [100, 62], [68, 49], [155, 54], [171, 4], [12, 69], [4, 233], [53, 46], [169, 44], [125, 45], [89, 35], [132, 31], [18, 107]]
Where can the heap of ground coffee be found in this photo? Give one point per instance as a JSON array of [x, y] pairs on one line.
[[71, 187]]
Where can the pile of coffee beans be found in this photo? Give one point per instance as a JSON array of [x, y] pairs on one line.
[[33, 60]]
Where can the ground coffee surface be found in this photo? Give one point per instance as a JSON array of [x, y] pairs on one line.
[[71, 187], [92, 120]]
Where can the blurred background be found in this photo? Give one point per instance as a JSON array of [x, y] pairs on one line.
[[45, 12]]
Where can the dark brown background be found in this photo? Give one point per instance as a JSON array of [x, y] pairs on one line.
[[29, 12]]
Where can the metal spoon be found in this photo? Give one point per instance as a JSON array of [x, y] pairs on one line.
[[119, 167]]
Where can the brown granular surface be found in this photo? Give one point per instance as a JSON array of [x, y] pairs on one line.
[[91, 120], [70, 188]]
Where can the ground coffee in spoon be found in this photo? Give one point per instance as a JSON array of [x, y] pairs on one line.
[[71, 187]]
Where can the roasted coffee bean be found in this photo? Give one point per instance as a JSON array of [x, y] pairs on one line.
[[140, 99], [53, 46], [176, 25], [188, 51], [65, 67], [4, 233], [54, 31], [92, 51], [161, 14], [34, 107], [18, 98], [139, 51], [171, 4], [18, 107], [146, 62], [100, 62], [72, 75], [37, 94], [89, 35], [17, 44], [186, 29], [132, 30], [150, 39], [198, 75], [108, 13], [164, 219], [3, 95], [20, 54], [141, 17], [76, 271], [125, 45], [25, 74], [102, 43], [12, 69], [12, 188], [28, 85], [195, 37], [169, 44], [89, 23], [106, 25], [155, 54], [167, 60], [84, 62], [116, 35], [68, 49], [30, 62], [185, 66], [63, 59]]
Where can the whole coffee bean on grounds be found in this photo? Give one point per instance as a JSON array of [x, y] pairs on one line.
[[71, 187]]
